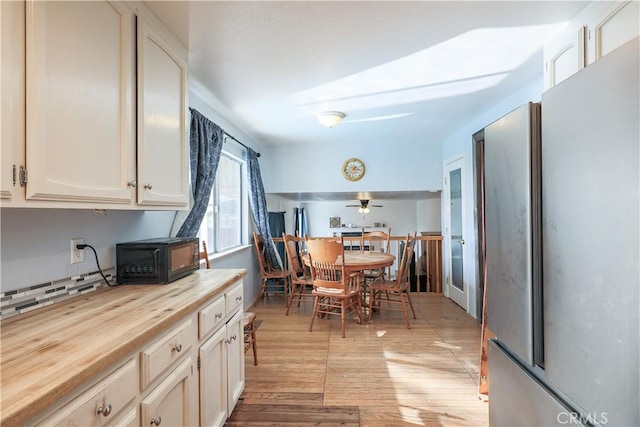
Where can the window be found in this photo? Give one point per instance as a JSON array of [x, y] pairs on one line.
[[223, 224]]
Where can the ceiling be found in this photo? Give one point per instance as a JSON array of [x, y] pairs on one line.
[[414, 71]]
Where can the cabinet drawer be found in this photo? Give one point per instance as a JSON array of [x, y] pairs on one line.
[[100, 404], [211, 316], [233, 298], [164, 351]]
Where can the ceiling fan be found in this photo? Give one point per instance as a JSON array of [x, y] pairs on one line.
[[363, 207]]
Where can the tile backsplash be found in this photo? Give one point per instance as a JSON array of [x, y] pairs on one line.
[[22, 300]]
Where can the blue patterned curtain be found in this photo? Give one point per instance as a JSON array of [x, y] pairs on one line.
[[259, 209], [206, 141], [276, 225]]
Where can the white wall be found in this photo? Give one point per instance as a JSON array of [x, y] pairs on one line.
[[392, 166], [461, 145]]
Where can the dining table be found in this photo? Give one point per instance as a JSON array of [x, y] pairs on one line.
[[355, 261]]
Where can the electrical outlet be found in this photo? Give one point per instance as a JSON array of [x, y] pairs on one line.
[[77, 255]]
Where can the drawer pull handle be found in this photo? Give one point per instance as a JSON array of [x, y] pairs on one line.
[[233, 337], [105, 411], [218, 315], [156, 421], [177, 348], [238, 298]]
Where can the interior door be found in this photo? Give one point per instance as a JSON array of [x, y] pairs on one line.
[[455, 233]]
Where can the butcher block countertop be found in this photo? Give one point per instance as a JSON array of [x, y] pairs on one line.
[[47, 353]]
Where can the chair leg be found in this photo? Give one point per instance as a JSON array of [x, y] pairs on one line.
[[293, 294], [314, 312], [263, 287], [403, 304], [343, 316], [358, 308], [254, 345], [411, 304]]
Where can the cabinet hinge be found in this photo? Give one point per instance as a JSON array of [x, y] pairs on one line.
[[198, 363], [15, 175], [24, 176]]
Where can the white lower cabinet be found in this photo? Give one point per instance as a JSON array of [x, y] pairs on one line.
[[190, 373], [171, 403], [235, 360], [213, 380], [221, 362]]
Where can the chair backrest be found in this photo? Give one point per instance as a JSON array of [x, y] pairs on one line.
[[325, 262], [293, 247], [405, 263], [204, 254], [258, 244], [376, 241]]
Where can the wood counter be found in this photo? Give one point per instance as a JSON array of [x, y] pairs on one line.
[[48, 353]]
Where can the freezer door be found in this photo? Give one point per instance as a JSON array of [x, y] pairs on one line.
[[591, 217], [509, 236], [517, 399]]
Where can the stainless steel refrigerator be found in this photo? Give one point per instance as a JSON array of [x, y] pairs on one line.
[[562, 209]]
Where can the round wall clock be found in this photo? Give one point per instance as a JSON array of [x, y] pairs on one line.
[[353, 169]]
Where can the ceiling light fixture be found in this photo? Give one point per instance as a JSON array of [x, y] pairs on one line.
[[330, 118]]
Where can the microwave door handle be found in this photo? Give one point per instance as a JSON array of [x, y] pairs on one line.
[[155, 261]]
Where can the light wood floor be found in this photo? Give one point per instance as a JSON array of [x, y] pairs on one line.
[[381, 374]]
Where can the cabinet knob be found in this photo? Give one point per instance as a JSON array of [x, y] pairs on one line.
[[156, 421], [177, 348], [105, 410], [148, 186], [238, 298], [132, 184], [218, 316]]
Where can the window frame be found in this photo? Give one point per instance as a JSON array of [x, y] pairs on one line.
[[213, 207]]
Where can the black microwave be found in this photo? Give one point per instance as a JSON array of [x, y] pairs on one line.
[[160, 260]]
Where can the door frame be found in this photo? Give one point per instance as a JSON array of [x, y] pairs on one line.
[[460, 298]]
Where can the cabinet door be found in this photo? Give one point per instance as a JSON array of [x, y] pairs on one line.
[[613, 25], [79, 101], [169, 403], [213, 380], [163, 153], [563, 56], [235, 359], [11, 96]]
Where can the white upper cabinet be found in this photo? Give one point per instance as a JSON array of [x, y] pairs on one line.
[[11, 97], [94, 112], [563, 56], [80, 101], [163, 150], [598, 29], [613, 24]]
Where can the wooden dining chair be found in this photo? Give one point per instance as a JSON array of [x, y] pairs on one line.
[[375, 241], [396, 292], [335, 291], [269, 272], [300, 276], [204, 254]]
